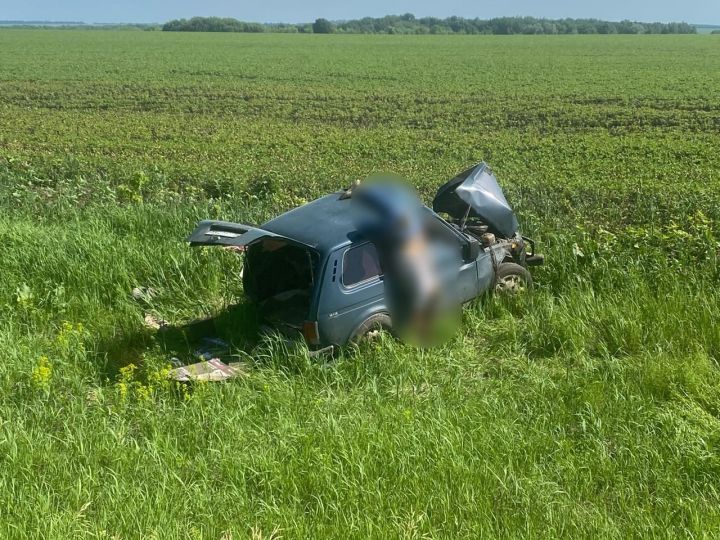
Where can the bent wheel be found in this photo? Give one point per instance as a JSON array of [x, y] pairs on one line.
[[370, 329], [512, 279]]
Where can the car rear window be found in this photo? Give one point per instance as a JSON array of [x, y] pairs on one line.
[[360, 264]]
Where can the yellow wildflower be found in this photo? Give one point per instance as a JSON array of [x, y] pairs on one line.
[[42, 373]]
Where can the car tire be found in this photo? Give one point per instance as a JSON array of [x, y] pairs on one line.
[[370, 328], [512, 279]]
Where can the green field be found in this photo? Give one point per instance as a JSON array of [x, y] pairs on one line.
[[590, 408]]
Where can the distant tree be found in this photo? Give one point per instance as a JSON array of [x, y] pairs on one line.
[[323, 26], [715, 31], [212, 24], [408, 24]]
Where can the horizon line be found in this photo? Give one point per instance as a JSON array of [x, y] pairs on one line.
[[37, 22]]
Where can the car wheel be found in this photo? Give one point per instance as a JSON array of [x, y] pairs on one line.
[[372, 326], [512, 279]]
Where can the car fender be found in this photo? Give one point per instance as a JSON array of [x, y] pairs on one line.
[[338, 327]]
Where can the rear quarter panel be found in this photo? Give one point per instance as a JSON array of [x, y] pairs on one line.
[[341, 310]]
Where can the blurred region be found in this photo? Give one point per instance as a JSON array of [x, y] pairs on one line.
[[418, 271]]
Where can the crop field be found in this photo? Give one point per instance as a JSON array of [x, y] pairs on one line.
[[590, 407]]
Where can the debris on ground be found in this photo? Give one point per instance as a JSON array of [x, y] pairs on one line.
[[210, 367], [207, 371], [176, 362], [154, 323], [144, 294]]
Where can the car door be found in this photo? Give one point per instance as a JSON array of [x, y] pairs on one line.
[[485, 271], [464, 282], [467, 283]]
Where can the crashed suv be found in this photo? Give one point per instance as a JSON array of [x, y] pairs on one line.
[[310, 271]]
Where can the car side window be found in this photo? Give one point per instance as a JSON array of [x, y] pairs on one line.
[[360, 264]]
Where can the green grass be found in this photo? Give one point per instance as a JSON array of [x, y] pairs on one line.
[[588, 409]]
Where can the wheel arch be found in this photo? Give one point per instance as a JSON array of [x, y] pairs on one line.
[[379, 316]]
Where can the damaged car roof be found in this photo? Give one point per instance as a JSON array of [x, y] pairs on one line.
[[323, 224]]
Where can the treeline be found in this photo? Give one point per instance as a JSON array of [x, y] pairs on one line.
[[409, 24], [41, 25], [225, 24]]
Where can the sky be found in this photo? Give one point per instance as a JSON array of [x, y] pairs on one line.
[[693, 11]]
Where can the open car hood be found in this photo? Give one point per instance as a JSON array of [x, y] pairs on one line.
[[476, 193]]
